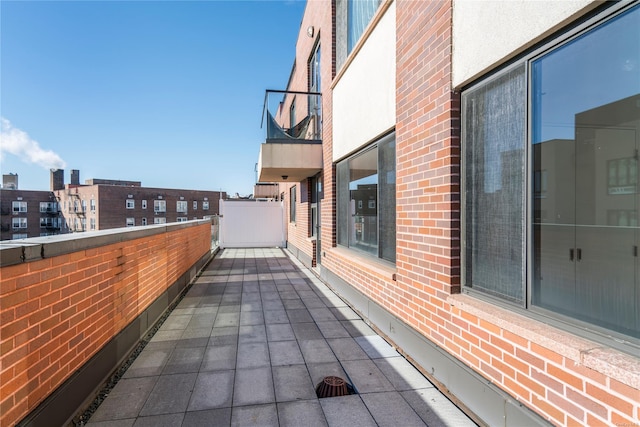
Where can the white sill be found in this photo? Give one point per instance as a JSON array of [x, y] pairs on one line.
[[380, 268]]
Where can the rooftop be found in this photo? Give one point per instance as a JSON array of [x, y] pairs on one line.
[[248, 344]]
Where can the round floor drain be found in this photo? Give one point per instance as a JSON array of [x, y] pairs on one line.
[[333, 386]]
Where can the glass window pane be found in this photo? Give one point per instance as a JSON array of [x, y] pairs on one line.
[[363, 187], [387, 194], [359, 15], [585, 127], [343, 213], [494, 144]]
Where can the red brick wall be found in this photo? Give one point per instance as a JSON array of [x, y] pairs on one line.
[[320, 16], [565, 379], [56, 313]]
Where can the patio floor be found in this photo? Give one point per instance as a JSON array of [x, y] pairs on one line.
[[247, 346]]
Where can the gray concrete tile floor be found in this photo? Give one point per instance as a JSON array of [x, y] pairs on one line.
[[248, 344]]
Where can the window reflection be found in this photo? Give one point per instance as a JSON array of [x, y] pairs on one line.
[[586, 132]]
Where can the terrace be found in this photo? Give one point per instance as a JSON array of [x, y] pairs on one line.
[[221, 337]]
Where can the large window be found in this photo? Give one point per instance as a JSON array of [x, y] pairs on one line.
[[359, 14], [19, 222], [550, 178], [181, 206], [366, 200], [159, 205], [48, 207], [494, 159], [18, 207]]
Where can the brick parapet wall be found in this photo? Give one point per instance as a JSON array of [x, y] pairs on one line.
[[57, 312]]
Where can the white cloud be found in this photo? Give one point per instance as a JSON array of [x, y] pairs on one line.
[[19, 143]]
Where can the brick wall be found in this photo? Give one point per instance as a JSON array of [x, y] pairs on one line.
[[320, 16], [565, 379], [57, 312]]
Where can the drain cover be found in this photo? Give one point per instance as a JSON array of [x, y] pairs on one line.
[[332, 387]]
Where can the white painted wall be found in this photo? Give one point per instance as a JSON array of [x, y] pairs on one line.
[[364, 100], [252, 224], [487, 33]]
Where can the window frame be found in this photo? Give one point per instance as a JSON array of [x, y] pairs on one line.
[[19, 206], [130, 204], [597, 19], [159, 206], [21, 222], [346, 206], [182, 206]]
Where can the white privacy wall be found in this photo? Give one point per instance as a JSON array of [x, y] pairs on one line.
[[487, 33], [364, 100], [251, 224]]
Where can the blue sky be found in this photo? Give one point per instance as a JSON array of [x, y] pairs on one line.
[[168, 93]]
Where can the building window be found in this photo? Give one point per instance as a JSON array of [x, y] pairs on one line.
[[49, 222], [195, 205], [48, 207], [144, 204], [205, 205], [161, 220], [17, 236], [83, 221], [292, 113], [181, 206], [131, 222], [292, 204], [144, 221], [367, 201], [494, 162], [19, 222], [182, 219], [359, 14], [578, 130], [131, 204], [92, 203], [159, 206], [76, 206], [17, 207], [92, 223], [84, 205]]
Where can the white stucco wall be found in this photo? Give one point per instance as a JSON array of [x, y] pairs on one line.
[[487, 33], [364, 98]]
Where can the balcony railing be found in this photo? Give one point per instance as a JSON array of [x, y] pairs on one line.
[[292, 116], [292, 150]]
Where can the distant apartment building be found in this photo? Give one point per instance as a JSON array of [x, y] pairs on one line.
[[28, 213], [99, 204]]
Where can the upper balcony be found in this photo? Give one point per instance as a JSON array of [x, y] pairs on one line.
[[292, 150]]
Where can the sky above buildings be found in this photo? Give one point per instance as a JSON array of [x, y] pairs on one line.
[[169, 93]]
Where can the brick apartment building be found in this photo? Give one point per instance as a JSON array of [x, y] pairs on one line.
[[473, 192], [25, 213], [99, 204]]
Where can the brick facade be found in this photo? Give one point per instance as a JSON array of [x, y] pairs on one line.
[[563, 378], [111, 205]]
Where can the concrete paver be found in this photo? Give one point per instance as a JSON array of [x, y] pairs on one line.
[[247, 345]]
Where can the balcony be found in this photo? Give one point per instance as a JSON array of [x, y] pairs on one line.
[[292, 150]]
